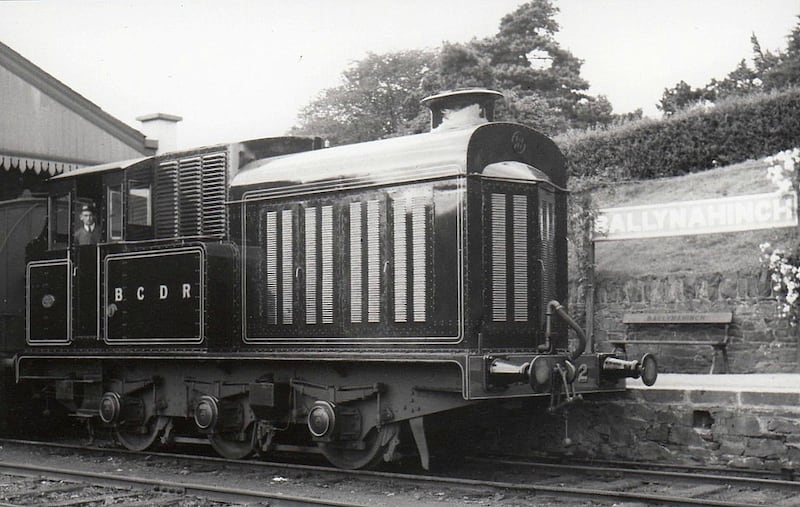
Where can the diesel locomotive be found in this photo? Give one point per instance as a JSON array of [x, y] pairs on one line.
[[276, 294]]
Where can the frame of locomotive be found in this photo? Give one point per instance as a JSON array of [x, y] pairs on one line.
[[258, 286]]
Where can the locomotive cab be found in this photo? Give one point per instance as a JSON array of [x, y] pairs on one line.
[[63, 293]]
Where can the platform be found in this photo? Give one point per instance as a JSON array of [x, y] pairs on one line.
[[756, 382]]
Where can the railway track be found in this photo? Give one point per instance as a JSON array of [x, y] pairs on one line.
[[656, 483], [487, 481], [23, 485]]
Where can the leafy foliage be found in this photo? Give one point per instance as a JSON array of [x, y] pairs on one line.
[[771, 72], [735, 130], [379, 96]]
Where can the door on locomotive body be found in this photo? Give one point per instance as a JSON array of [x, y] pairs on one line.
[[94, 191], [65, 282], [49, 276], [521, 266]]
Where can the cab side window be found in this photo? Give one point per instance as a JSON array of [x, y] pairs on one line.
[[114, 212], [139, 208], [59, 222]]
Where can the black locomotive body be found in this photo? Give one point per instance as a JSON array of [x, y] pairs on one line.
[[270, 293]]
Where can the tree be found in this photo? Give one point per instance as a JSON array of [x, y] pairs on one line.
[[682, 96], [779, 70], [528, 60], [377, 96], [741, 81], [771, 71]]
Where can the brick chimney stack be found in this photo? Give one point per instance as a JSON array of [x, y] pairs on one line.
[[163, 128]]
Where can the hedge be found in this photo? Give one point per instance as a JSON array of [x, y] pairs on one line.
[[728, 132]]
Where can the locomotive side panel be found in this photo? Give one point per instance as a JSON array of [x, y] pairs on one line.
[[376, 266], [49, 302], [141, 286]]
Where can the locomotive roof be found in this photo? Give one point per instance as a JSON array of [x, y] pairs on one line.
[[110, 166], [400, 158]]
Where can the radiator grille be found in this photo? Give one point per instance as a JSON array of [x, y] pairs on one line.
[[213, 198], [287, 268], [166, 200], [190, 196], [373, 261], [355, 263], [499, 263], [419, 242], [400, 260], [190, 181], [271, 245], [311, 265], [547, 234], [327, 264], [279, 267], [410, 233], [509, 251], [520, 232]]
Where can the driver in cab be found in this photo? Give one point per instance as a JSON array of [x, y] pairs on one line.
[[89, 232]]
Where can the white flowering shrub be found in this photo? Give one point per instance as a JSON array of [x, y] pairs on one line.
[[782, 264], [784, 273], [781, 169]]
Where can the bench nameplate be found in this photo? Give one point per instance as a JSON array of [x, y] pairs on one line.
[[678, 318]]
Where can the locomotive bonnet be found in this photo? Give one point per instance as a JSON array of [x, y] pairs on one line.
[[274, 295]]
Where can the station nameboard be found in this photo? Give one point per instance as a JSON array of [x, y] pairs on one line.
[[706, 216]]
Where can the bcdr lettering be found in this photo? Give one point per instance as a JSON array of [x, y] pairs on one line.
[[142, 294]]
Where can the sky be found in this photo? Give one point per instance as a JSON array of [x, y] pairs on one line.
[[241, 69]]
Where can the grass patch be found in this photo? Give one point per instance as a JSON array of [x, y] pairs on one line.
[[712, 253]]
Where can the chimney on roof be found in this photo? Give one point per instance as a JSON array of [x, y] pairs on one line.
[[163, 128], [457, 109]]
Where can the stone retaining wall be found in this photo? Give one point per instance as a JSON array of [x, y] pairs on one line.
[[761, 340], [738, 429]]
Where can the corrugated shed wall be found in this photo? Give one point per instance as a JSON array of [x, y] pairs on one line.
[[33, 125]]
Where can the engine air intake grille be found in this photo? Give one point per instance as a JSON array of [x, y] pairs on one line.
[[510, 269], [190, 196]]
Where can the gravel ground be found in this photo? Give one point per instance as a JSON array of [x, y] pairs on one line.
[[339, 487]]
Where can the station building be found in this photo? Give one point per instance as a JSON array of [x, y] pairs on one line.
[[46, 128]]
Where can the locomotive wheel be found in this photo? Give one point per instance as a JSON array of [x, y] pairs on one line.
[[229, 447], [141, 438], [367, 455]]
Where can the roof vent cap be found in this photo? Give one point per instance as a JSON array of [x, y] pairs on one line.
[[458, 109]]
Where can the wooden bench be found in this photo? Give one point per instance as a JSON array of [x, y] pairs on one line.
[[683, 319]]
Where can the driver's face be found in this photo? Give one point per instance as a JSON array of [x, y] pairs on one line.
[[87, 217]]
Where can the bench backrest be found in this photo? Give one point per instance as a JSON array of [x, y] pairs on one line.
[[678, 318]]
